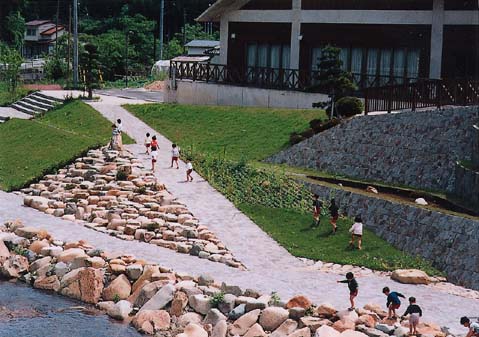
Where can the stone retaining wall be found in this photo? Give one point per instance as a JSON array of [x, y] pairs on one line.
[[466, 186], [417, 149], [449, 242]]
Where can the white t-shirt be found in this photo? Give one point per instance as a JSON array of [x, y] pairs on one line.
[[175, 152], [475, 327], [147, 140], [119, 127], [189, 166], [357, 228]]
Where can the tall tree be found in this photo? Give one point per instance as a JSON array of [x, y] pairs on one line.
[[15, 29]]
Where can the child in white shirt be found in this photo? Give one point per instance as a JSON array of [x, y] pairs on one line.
[[147, 143], [189, 169], [357, 232], [175, 155]]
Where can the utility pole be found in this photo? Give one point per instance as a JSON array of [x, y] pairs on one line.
[[56, 28], [126, 59], [69, 42], [75, 44], [162, 22]]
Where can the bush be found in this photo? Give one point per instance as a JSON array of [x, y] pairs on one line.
[[349, 106], [295, 138], [55, 68], [121, 176], [217, 299], [308, 133]]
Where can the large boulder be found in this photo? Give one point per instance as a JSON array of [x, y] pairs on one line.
[[71, 254], [286, 328], [367, 320], [120, 310], [299, 302], [220, 329], [40, 263], [326, 331], [4, 252], [377, 309], [152, 321], [213, 317], [326, 310], [147, 291], [349, 315], [304, 332], [47, 283], [371, 332], [14, 266], [273, 317], [242, 324], [161, 298], [119, 288], [193, 330], [352, 333], [313, 323], [256, 331], [27, 232], [37, 246], [200, 303], [179, 303], [344, 324], [410, 276], [189, 317], [85, 284]]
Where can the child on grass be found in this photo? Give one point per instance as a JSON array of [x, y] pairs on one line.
[[353, 288], [473, 327], [154, 152], [175, 155], [317, 206], [414, 312], [393, 302], [357, 232], [147, 143], [334, 211], [189, 170]]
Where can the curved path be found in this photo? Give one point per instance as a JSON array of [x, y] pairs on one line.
[[270, 267]]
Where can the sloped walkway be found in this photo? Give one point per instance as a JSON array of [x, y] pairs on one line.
[[270, 267]]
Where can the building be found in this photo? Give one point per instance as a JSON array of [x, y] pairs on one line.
[[40, 38], [381, 41], [202, 47]]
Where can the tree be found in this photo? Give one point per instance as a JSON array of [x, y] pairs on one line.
[[15, 29], [10, 63], [89, 63]]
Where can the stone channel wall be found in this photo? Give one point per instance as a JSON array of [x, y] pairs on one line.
[[418, 149], [449, 242]]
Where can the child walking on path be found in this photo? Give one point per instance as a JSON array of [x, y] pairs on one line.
[[473, 327], [334, 211], [154, 152], [317, 206], [353, 288], [393, 302], [175, 155], [414, 312], [147, 143], [357, 232], [189, 170]]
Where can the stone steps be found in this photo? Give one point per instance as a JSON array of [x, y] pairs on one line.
[[36, 103]]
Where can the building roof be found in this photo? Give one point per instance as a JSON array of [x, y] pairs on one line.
[[37, 22], [202, 44], [214, 12], [52, 30], [185, 58]]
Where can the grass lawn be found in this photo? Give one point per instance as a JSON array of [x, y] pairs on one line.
[[31, 148], [293, 231], [6, 98], [244, 133]]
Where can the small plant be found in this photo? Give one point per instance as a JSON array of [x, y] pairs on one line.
[[20, 251], [69, 187], [309, 311], [141, 190], [116, 298], [275, 299], [121, 176], [217, 299], [152, 226]]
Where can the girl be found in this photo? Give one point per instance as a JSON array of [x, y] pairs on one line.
[[154, 152], [334, 211], [189, 169], [175, 155], [147, 143], [357, 232]]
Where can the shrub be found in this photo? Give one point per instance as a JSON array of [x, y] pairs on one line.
[[349, 106], [55, 68], [295, 138], [275, 299], [116, 298], [141, 190], [217, 299], [121, 176], [308, 133]]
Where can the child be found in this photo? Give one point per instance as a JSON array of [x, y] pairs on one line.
[[189, 169], [147, 143], [114, 138], [118, 137], [317, 206], [393, 302], [473, 327], [175, 155], [357, 232], [334, 211], [353, 288], [414, 312], [154, 152]]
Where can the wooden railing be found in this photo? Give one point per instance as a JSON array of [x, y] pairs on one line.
[[422, 94], [271, 78]]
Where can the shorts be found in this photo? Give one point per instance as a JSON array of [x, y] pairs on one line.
[[353, 293], [174, 158], [334, 218], [394, 306], [189, 171], [148, 145], [153, 160], [414, 319], [359, 236]]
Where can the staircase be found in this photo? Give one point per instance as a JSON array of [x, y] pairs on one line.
[[36, 103]]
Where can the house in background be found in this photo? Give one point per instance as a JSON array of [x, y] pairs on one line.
[[40, 38]]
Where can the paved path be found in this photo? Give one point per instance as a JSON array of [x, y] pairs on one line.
[[133, 93], [270, 267], [12, 113]]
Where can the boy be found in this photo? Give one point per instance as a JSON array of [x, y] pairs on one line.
[[353, 288], [154, 152], [414, 312], [334, 211], [175, 155], [393, 302], [317, 206], [357, 232], [147, 143], [473, 327], [189, 169]]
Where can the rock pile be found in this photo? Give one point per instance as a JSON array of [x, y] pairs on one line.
[[113, 193], [159, 301]]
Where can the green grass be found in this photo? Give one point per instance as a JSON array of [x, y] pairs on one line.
[[31, 148], [292, 229], [241, 133], [7, 98]]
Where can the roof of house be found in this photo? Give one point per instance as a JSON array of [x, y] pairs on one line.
[[214, 12], [203, 44], [37, 22], [52, 30]]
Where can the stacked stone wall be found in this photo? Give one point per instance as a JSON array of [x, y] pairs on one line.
[[418, 149], [450, 242]]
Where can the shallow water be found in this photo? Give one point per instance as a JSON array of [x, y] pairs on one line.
[[29, 312]]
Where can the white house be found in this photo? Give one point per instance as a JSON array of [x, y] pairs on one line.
[[40, 37]]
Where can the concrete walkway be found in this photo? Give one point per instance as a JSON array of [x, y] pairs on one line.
[[270, 267]]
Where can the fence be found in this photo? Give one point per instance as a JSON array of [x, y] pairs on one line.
[[422, 94]]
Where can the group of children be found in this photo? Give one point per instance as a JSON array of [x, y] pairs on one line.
[[356, 229], [152, 148]]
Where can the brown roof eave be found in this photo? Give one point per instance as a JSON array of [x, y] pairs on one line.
[[215, 11]]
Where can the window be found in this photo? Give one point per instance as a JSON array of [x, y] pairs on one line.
[[268, 56], [385, 67], [31, 32], [413, 63], [399, 63]]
